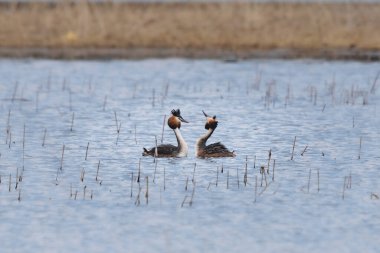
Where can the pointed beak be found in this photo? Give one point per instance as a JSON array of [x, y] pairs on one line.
[[182, 119], [205, 114]]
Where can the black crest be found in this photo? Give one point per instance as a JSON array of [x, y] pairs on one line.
[[206, 115], [176, 113]]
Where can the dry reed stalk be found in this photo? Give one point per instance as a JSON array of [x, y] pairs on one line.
[[84, 192], [269, 157], [187, 183], [16, 180], [139, 172], [349, 181], [274, 164], [44, 138], [193, 180], [63, 152], [72, 122], [97, 172], [318, 179], [10, 182], [304, 150], [70, 101], [14, 92], [344, 186], [374, 84], [155, 148], [131, 185], [82, 174], [184, 200], [217, 176], [37, 96], [192, 195], [8, 126], [163, 128], [165, 179], [104, 103], [246, 171], [116, 122], [147, 190], [88, 144], [360, 147], [237, 178], [155, 170], [263, 176], [308, 182], [137, 201], [294, 144], [153, 97]]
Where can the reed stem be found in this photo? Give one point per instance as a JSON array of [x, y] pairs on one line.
[[294, 144]]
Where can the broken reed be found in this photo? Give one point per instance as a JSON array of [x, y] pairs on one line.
[[246, 171], [72, 122], [263, 176], [104, 103], [294, 144], [61, 166], [147, 190], [163, 128], [139, 171], [43, 139], [237, 177], [97, 171], [63, 152], [88, 144]]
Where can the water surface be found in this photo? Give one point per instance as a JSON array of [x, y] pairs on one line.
[[262, 105]]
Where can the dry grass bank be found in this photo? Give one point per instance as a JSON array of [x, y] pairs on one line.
[[230, 26]]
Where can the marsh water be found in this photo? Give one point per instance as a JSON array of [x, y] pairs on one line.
[[73, 178]]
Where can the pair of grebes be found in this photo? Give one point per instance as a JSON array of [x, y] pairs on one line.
[[202, 150]]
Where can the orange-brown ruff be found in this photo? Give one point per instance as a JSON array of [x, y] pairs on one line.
[[168, 150], [215, 149]]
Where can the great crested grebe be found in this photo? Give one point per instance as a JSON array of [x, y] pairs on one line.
[[215, 149], [168, 150]]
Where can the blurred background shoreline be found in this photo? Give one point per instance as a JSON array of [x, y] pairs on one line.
[[228, 30]]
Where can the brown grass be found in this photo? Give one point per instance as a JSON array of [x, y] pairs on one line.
[[231, 26]]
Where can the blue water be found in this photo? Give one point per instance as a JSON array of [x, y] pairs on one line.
[[261, 105]]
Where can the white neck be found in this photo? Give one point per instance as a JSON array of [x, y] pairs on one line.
[[201, 142], [182, 145]]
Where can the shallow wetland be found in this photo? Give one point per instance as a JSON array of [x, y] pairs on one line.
[[73, 178]]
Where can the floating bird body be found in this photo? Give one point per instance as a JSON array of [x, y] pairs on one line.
[[168, 150], [212, 150]]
